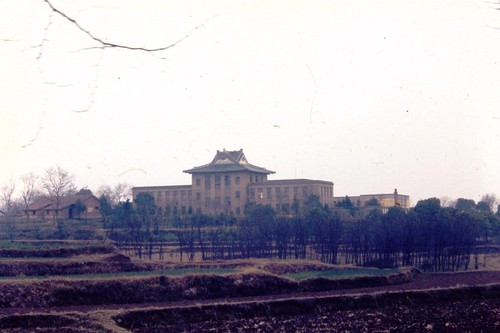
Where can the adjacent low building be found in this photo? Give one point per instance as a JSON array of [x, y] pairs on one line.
[[229, 182], [381, 200]]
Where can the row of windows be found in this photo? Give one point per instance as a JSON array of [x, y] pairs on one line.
[[217, 202], [237, 195], [217, 181], [270, 193], [172, 194], [326, 191], [278, 192]]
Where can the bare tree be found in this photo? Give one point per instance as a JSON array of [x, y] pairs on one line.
[[58, 183], [120, 193], [491, 200], [30, 190], [7, 192], [446, 201], [105, 191]]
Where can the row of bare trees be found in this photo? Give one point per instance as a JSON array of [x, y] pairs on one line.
[[428, 236], [54, 182]]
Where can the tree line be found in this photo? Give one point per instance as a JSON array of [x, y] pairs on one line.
[[428, 236]]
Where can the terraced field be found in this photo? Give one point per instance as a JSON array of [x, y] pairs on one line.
[[92, 288]]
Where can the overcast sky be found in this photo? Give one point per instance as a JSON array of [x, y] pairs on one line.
[[371, 95]]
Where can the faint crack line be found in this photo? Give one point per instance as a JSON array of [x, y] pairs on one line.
[[105, 44], [314, 95], [95, 86]]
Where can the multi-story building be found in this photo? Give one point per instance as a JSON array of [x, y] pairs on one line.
[[229, 182], [382, 200]]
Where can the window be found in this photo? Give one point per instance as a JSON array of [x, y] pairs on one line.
[[237, 180], [207, 202], [198, 182], [259, 191], [278, 207], [217, 182], [227, 180], [237, 194], [183, 195], [238, 211], [158, 194], [190, 195], [227, 202], [278, 192], [207, 182], [217, 202], [175, 195], [269, 193], [252, 193], [295, 190], [198, 196], [167, 195], [286, 192], [183, 210]]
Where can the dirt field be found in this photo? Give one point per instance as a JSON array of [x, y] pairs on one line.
[[72, 293]]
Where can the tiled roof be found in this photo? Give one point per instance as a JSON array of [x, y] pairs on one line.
[[40, 204], [228, 161], [65, 201]]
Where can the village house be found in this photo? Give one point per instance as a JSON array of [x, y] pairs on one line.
[[81, 205]]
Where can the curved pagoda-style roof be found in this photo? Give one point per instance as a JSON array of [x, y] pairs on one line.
[[229, 161]]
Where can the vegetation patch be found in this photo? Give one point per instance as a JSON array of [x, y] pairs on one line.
[[44, 250], [168, 285], [124, 274], [45, 323], [342, 273]]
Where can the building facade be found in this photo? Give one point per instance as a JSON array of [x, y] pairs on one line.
[[383, 200], [229, 182]]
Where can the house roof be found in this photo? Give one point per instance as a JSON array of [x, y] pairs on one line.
[[228, 161], [64, 202]]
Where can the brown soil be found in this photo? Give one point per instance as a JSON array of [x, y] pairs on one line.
[[464, 316], [255, 299], [474, 309]]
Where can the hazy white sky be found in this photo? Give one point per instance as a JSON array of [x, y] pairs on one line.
[[372, 95]]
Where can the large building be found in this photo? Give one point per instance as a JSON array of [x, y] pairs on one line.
[[229, 182]]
